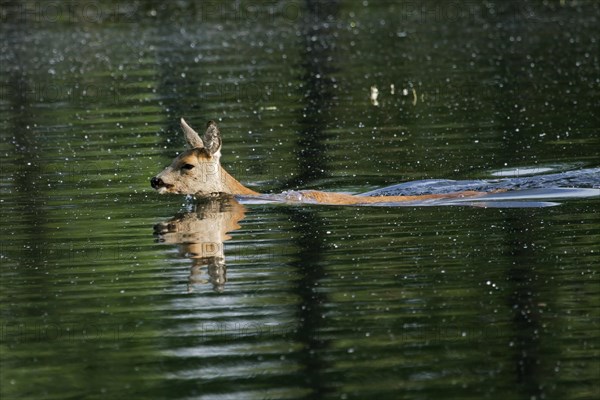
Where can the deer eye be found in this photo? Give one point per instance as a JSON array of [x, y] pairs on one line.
[[187, 166]]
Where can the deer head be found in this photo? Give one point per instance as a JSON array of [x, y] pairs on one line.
[[197, 170]]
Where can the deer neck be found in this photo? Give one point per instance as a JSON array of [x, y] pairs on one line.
[[232, 186]]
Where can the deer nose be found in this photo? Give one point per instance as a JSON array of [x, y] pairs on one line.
[[156, 183]]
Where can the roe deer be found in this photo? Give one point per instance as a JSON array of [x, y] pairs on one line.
[[198, 172]]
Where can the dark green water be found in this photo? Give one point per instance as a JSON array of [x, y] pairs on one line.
[[275, 301]]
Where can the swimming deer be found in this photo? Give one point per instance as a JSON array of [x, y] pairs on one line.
[[198, 171]]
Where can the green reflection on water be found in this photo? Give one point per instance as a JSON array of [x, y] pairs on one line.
[[316, 302]]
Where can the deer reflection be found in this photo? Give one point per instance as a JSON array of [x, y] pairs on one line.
[[200, 235]]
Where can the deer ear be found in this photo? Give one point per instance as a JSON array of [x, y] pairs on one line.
[[212, 138], [191, 136]]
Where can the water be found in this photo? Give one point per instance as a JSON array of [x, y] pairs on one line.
[[112, 291]]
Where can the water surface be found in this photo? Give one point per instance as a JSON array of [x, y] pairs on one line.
[[110, 291]]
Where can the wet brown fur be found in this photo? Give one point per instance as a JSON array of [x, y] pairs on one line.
[[348, 199]]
